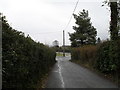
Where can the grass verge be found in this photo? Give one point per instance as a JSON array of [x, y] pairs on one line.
[[42, 82], [59, 54]]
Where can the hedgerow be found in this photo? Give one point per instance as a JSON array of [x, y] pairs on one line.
[[24, 61], [85, 54], [108, 57], [104, 57]]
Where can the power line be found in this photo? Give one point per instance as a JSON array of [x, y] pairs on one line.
[[43, 32], [72, 15]]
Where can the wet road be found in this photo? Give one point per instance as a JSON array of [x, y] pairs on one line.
[[66, 74]]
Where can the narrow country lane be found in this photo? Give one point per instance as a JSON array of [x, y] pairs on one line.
[[66, 74]]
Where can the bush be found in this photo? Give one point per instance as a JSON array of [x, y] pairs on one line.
[[85, 54], [108, 57], [104, 57], [24, 61], [60, 49]]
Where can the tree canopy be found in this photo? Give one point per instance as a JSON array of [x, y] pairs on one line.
[[84, 33]]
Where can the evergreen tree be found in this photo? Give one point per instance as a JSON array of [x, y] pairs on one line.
[[84, 33]]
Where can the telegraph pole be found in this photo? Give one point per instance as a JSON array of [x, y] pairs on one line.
[[63, 43]]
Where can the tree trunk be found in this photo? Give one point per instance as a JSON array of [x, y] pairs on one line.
[[113, 24]]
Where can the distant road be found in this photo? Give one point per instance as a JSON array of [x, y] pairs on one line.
[[66, 74]]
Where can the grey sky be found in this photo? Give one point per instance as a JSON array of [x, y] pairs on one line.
[[44, 20]]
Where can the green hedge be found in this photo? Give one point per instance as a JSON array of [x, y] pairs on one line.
[[104, 57], [24, 61], [60, 49], [108, 57]]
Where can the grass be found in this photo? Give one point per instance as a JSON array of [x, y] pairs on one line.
[[59, 54], [42, 82]]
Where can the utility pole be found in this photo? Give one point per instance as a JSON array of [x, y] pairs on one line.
[[63, 43]]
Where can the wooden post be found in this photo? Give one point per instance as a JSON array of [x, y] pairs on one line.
[[63, 43]]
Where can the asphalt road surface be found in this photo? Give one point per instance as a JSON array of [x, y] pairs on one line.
[[66, 74]]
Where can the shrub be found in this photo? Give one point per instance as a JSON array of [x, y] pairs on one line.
[[108, 57], [24, 61], [104, 57], [85, 54]]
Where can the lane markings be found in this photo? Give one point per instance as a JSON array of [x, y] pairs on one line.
[[63, 84]]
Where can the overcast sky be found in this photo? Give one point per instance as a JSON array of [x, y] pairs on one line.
[[44, 20]]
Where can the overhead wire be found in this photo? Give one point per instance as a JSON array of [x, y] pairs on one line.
[[66, 25], [71, 15], [43, 32]]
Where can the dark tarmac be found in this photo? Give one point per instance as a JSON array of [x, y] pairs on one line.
[[66, 74]]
